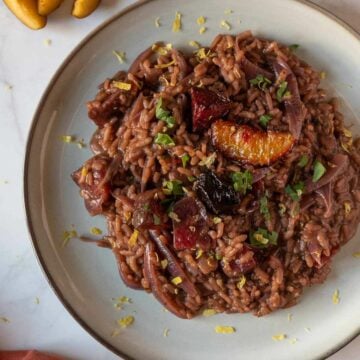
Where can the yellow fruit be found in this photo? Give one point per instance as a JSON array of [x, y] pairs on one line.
[[83, 8], [26, 12], [46, 7]]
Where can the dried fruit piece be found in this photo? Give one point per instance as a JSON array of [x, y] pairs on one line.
[[46, 7], [83, 8], [246, 144], [207, 106]]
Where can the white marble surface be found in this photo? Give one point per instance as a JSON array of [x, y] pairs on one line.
[[26, 66]]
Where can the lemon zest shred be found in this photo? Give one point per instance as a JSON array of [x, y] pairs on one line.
[[219, 329], [217, 220], [8, 87], [347, 207], [347, 132], [279, 337], [67, 236], [115, 333], [4, 319], [126, 321], [161, 50], [120, 55], [307, 329], [201, 20], [47, 42], [336, 297], [176, 25], [194, 44], [133, 238], [37, 301], [81, 144], [225, 25], [241, 282], [202, 30], [157, 22], [356, 255], [166, 332], [121, 85], [95, 231], [68, 138], [199, 253], [322, 75], [293, 341], [177, 280], [164, 263], [209, 312], [84, 171], [289, 317], [163, 66], [228, 11]]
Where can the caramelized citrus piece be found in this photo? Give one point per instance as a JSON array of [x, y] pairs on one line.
[[246, 144]]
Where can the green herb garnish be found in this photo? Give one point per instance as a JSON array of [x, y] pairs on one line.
[[162, 114], [157, 220], [146, 207], [293, 47], [264, 119], [262, 238], [242, 181], [319, 171], [185, 159], [164, 140], [173, 187], [264, 207], [191, 178], [282, 91], [303, 161], [260, 81], [295, 191]]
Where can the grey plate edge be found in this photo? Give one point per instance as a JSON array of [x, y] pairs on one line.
[[33, 125]]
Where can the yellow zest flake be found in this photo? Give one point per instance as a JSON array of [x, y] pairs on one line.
[[347, 207], [176, 26], [224, 329], [157, 22], [37, 301], [336, 297], [133, 238], [126, 321], [8, 87], [194, 44], [202, 30], [201, 20], [121, 85], [81, 144], [225, 25], [120, 55], [95, 231], [164, 264], [289, 317], [84, 171], [176, 280], [228, 11], [166, 332], [209, 312], [293, 341], [199, 253], [201, 54], [217, 220], [161, 50], [242, 282], [4, 319], [307, 329], [322, 75], [127, 215], [347, 132], [67, 236], [279, 337], [115, 332], [124, 300], [47, 42], [68, 139], [163, 66], [356, 255]]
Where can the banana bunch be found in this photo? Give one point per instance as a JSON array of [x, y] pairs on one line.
[[33, 13]]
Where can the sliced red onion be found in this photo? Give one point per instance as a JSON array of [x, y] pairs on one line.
[[152, 276], [252, 71], [325, 192], [295, 111], [141, 57], [173, 266]]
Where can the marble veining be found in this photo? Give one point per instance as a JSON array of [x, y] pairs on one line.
[[27, 61]]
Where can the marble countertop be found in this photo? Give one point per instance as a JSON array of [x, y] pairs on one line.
[[28, 59]]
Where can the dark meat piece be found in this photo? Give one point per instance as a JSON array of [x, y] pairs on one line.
[[94, 184], [149, 215], [215, 194], [207, 106], [190, 225]]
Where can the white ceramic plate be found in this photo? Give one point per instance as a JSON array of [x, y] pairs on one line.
[[85, 277]]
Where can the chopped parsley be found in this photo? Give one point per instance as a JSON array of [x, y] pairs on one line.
[[208, 160], [191, 178], [264, 119], [264, 207], [282, 91], [303, 161], [282, 209], [295, 191], [319, 171], [173, 187], [164, 140], [157, 220], [294, 47], [242, 181], [162, 114], [184, 159], [262, 238], [260, 81]]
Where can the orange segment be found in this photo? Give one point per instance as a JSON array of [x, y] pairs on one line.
[[246, 144]]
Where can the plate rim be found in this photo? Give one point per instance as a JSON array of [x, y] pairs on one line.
[[33, 125]]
